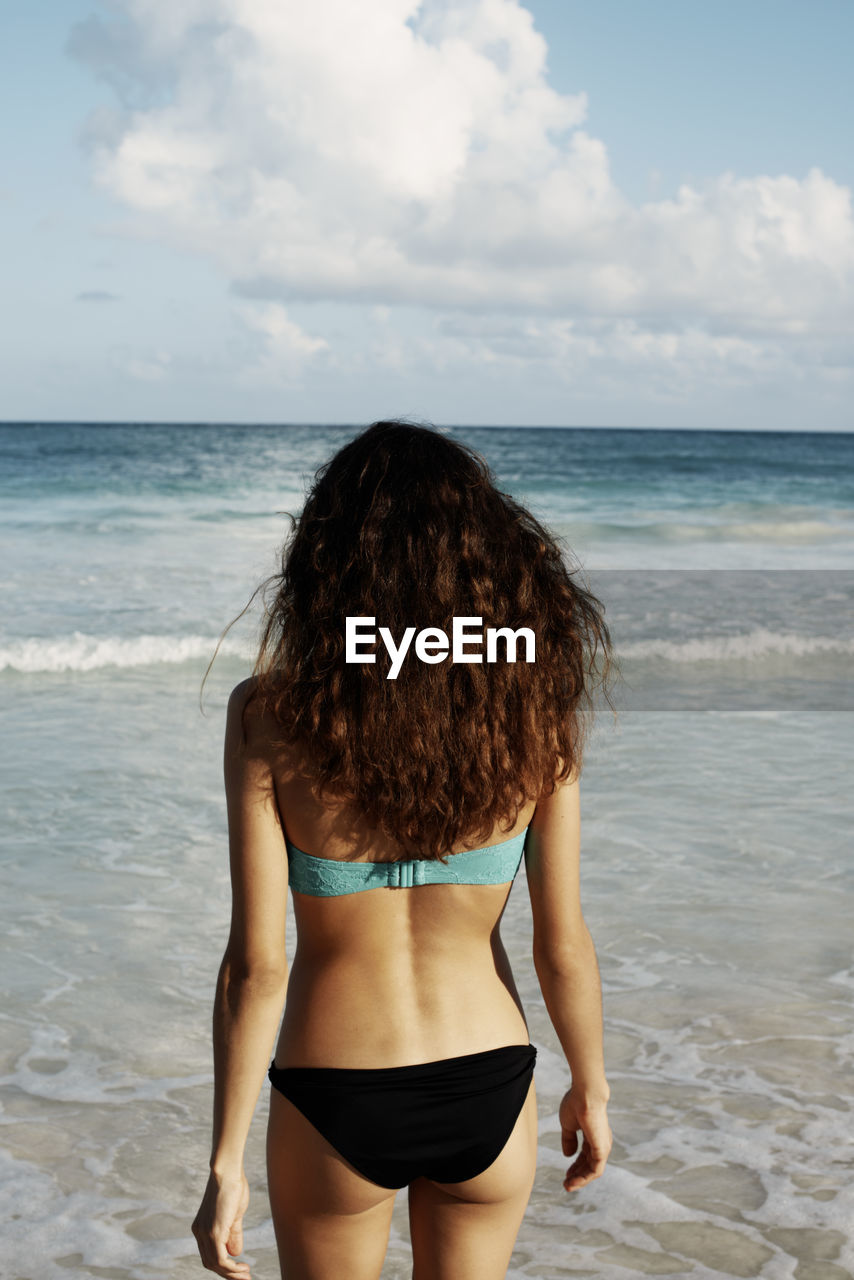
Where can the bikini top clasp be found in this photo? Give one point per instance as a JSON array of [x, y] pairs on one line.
[[405, 875]]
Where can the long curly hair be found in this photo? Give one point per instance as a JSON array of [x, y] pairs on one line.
[[407, 525]]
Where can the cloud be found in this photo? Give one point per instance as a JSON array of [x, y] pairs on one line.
[[141, 366], [285, 348], [582, 358], [405, 154], [96, 295]]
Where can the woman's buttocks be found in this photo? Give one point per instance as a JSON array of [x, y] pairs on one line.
[[390, 977]]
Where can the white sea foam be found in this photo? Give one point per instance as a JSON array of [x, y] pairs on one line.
[[63, 1224], [786, 532], [80, 652], [758, 643]]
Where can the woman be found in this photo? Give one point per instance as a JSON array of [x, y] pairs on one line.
[[398, 809]]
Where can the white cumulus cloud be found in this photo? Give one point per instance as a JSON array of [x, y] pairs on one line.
[[392, 152], [285, 347]]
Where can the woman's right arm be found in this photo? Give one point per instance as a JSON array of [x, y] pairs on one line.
[[251, 984], [565, 962]]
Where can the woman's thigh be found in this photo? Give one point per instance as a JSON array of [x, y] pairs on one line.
[[466, 1230], [329, 1220]]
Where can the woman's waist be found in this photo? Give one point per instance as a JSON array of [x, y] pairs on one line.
[[344, 1015]]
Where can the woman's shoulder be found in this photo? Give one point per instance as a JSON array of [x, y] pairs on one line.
[[253, 729], [242, 694], [250, 719]]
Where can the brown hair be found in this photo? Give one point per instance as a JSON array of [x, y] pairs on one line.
[[407, 525]]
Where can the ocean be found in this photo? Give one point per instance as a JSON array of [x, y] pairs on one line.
[[717, 812]]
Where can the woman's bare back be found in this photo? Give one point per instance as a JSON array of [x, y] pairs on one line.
[[390, 977]]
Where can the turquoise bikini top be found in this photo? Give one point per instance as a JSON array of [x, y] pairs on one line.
[[329, 878]]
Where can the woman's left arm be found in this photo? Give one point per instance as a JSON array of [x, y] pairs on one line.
[[252, 980]]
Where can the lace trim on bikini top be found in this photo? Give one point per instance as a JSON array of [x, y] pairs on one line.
[[329, 878]]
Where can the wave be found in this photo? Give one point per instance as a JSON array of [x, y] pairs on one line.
[[782, 532], [748, 647], [80, 652]]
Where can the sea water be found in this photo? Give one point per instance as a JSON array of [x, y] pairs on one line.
[[716, 874]]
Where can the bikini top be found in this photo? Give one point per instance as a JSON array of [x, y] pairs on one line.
[[329, 878]]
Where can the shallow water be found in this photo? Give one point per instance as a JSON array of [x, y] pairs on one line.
[[717, 875]]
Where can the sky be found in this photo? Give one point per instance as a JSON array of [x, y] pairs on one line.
[[460, 211]]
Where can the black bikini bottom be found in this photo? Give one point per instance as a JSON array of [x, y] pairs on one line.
[[445, 1120]]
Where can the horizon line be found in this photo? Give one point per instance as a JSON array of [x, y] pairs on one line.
[[475, 426]]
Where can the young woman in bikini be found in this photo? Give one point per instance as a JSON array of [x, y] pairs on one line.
[[398, 811]]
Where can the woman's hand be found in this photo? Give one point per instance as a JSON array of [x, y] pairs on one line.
[[591, 1117], [218, 1226]]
